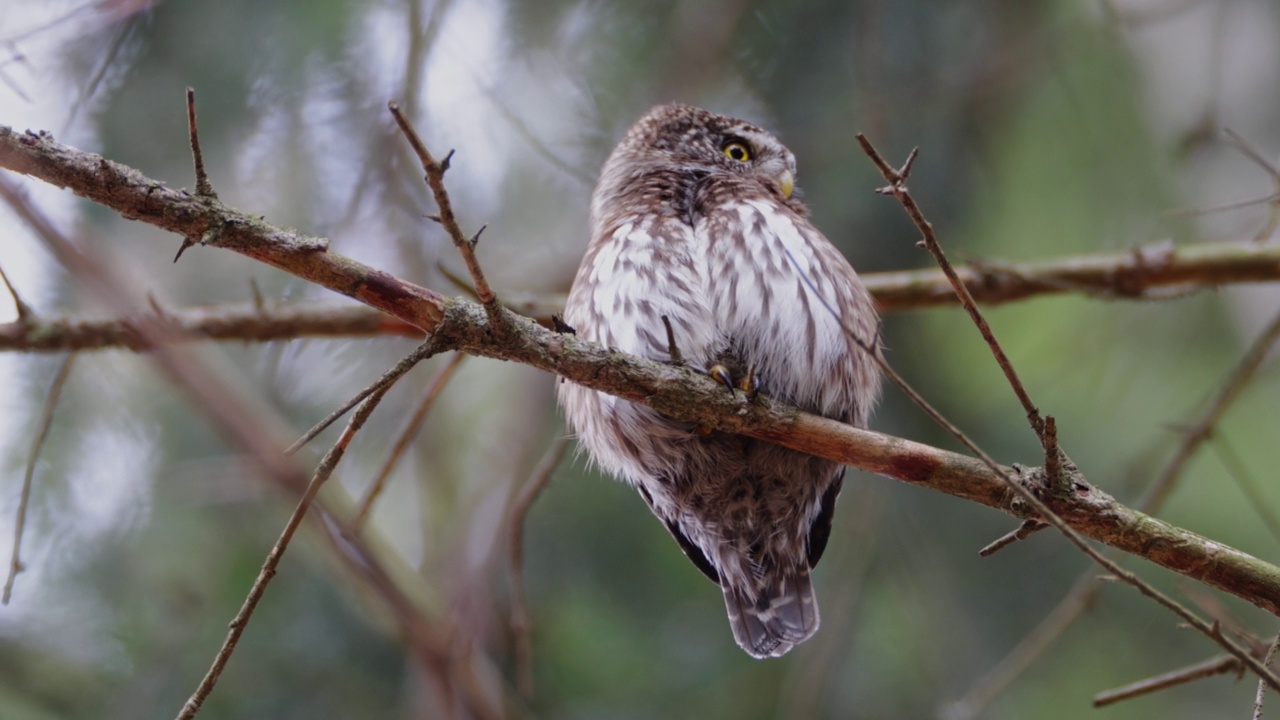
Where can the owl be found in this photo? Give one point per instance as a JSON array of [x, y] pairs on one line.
[[695, 228]]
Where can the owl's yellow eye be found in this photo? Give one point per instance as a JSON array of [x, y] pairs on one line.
[[737, 150]]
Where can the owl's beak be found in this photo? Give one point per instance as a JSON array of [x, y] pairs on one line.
[[786, 183]]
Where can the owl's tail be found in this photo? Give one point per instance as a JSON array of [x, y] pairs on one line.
[[782, 615]]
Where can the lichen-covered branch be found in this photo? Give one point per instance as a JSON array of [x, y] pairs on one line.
[[677, 392]]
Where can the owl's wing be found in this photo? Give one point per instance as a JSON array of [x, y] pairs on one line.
[[691, 550], [820, 528]]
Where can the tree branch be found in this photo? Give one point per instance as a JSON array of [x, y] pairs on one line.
[[676, 392], [1106, 275], [1150, 272], [244, 322]]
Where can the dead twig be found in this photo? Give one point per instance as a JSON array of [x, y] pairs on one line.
[[1028, 528], [1202, 429], [1219, 665], [268, 571], [1273, 213], [435, 170], [1247, 483], [25, 315], [1042, 510], [1085, 589], [255, 429], [420, 353], [42, 432], [1262, 687], [203, 186], [898, 189], [521, 626], [406, 434]]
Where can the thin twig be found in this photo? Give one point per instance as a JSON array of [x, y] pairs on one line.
[[1268, 199], [203, 186], [1041, 509], [996, 680], [1028, 527], [1053, 459], [46, 421], [435, 171], [1262, 687], [268, 571], [1247, 149], [897, 188], [1083, 591], [406, 434], [1248, 485], [420, 353], [1219, 665], [520, 624], [1202, 429], [24, 310], [1251, 152]]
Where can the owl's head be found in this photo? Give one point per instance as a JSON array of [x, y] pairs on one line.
[[687, 141]]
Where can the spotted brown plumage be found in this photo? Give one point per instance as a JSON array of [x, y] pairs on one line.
[[693, 219]]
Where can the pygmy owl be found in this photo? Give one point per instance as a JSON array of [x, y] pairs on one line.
[[694, 219]]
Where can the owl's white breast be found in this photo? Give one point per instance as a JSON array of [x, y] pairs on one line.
[[779, 291]]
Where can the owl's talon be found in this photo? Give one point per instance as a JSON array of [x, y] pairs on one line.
[[721, 374], [749, 383]]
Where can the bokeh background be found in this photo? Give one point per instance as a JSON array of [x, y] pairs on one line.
[[1046, 128]]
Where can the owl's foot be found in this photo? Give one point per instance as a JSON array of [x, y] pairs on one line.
[[721, 374], [748, 383]]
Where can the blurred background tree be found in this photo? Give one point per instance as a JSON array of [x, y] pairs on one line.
[[1047, 128]]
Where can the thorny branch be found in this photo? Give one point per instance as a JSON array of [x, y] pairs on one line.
[[1087, 585], [1056, 461], [898, 189], [435, 170], [678, 392]]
